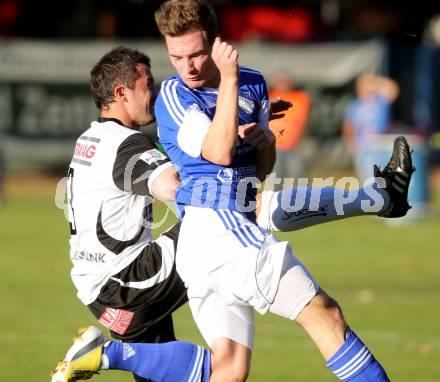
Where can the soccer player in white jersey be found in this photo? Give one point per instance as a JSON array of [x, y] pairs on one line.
[[127, 280], [205, 114]]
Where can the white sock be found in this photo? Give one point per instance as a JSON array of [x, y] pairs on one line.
[[301, 207]]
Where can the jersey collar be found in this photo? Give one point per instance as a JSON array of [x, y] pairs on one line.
[[104, 119]]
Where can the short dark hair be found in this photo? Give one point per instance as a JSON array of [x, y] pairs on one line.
[[176, 17], [117, 67]]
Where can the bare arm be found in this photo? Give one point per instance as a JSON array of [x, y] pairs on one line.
[[266, 152], [263, 141], [265, 160], [165, 185], [266, 156], [220, 141]]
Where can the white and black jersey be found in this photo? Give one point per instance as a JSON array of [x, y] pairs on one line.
[[109, 201]]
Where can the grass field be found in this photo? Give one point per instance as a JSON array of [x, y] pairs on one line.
[[387, 279]]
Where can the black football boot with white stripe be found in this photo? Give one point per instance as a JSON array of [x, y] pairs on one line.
[[397, 174]]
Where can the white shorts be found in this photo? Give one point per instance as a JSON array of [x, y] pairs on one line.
[[231, 267]]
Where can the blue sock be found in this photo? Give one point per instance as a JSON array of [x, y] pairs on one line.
[[168, 362], [354, 362]]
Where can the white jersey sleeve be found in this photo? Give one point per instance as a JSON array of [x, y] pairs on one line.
[[137, 160]]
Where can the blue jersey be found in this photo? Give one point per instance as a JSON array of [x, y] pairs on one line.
[[184, 116]]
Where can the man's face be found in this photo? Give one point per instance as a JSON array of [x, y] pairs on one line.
[[141, 98], [190, 54]]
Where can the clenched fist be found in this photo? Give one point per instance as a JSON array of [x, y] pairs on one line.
[[225, 57]]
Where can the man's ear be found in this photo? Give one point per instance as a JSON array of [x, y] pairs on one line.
[[119, 93]]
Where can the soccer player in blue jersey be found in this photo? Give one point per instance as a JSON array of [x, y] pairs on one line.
[[209, 115]]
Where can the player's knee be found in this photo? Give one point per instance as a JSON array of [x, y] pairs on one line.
[[328, 306], [331, 308], [322, 307]]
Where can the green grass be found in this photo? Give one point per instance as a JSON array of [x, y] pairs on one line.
[[386, 278]]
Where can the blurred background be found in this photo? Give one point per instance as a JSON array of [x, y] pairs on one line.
[[357, 72], [48, 47], [320, 46]]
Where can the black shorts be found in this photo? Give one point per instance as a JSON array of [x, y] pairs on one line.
[[143, 315]]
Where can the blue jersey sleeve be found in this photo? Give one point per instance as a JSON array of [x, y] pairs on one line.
[[263, 115], [253, 97], [264, 93], [171, 108]]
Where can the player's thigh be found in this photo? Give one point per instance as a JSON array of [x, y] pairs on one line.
[[217, 320], [230, 361], [296, 288]]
